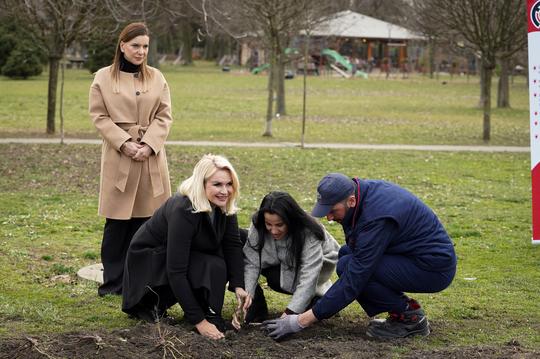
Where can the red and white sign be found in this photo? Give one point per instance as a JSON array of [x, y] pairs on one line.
[[533, 15]]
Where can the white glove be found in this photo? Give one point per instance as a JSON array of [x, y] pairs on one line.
[[281, 327]]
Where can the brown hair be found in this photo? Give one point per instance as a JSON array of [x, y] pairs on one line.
[[130, 32]]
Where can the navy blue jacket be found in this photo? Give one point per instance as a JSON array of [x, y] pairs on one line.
[[389, 220]]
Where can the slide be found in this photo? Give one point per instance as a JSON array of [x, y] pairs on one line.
[[336, 57], [258, 70], [340, 71]]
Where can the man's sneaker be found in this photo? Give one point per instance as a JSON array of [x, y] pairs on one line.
[[411, 305], [377, 321], [411, 322]]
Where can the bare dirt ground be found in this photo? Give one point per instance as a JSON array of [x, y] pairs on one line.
[[334, 338]]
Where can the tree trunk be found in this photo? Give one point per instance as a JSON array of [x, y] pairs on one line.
[[486, 95], [221, 48], [482, 83], [209, 48], [230, 48], [279, 81], [187, 41], [431, 58], [152, 53], [270, 103], [503, 90], [54, 63]]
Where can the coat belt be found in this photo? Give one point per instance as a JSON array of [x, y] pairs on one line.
[[137, 132]]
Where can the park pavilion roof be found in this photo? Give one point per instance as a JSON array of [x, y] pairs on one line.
[[352, 24]]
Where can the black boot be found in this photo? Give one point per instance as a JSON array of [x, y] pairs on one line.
[[147, 314], [258, 311]]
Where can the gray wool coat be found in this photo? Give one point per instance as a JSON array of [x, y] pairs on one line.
[[318, 262]]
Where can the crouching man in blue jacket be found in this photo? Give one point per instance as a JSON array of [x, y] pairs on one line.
[[395, 244]]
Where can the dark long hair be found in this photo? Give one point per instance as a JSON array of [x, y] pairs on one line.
[[297, 220]]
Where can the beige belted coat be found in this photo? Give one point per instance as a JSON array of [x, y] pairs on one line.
[[129, 188]]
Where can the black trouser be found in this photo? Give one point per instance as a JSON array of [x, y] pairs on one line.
[[117, 235], [207, 276], [272, 275], [258, 311]]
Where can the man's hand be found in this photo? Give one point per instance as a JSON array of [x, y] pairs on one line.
[[279, 328]]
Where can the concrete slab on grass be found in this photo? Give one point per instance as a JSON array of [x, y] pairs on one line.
[[93, 272]]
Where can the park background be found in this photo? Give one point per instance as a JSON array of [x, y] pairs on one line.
[[50, 228]]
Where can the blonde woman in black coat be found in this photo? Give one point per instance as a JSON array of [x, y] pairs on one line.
[[187, 252]]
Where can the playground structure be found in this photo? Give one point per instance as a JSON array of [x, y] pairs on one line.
[[329, 60]]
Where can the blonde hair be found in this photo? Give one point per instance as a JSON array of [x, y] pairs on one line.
[[194, 186], [130, 32]]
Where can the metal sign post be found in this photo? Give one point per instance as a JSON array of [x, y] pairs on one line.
[[533, 15]]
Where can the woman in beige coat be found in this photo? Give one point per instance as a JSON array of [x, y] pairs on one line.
[[131, 108]]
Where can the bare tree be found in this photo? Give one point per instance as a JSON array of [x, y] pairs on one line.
[[274, 23], [161, 16], [427, 25], [506, 63], [394, 11], [54, 25], [490, 28]]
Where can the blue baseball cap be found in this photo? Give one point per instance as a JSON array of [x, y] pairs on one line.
[[333, 188]]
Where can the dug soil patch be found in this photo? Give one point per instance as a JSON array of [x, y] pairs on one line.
[[334, 338]]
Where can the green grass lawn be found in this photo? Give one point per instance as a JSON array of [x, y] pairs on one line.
[[48, 193], [209, 104], [49, 226]]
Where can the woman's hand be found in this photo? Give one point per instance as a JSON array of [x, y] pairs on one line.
[[209, 330], [243, 299], [143, 153], [130, 148], [244, 302]]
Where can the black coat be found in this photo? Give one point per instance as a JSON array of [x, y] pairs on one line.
[[160, 250]]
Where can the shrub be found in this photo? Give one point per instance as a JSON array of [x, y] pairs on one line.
[[7, 44], [11, 34], [22, 62], [100, 54], [8, 39]]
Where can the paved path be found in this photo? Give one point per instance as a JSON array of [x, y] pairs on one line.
[[355, 146]]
